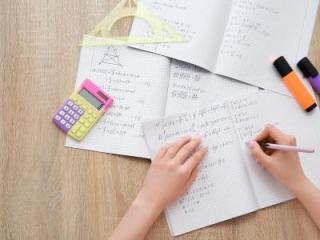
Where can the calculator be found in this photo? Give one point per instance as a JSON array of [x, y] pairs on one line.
[[82, 110]]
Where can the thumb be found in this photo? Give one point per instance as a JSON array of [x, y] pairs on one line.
[[258, 154]]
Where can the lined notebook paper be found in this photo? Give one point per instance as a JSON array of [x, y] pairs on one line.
[[230, 183], [236, 38]]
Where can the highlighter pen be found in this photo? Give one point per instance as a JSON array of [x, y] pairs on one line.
[[294, 84], [310, 72]]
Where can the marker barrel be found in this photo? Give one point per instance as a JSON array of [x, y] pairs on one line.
[[295, 85]]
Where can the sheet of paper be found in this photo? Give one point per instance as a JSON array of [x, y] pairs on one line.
[[226, 127], [191, 87], [251, 114], [201, 22], [139, 94], [258, 32], [248, 122], [222, 189]]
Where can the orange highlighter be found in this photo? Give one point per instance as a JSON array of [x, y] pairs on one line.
[[295, 85]]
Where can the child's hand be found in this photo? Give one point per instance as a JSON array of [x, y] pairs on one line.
[[284, 166], [172, 172]]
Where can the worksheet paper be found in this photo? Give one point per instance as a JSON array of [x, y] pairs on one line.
[[230, 183], [139, 83], [191, 87], [239, 39]]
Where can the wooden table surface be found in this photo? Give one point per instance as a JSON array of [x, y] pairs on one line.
[[48, 191]]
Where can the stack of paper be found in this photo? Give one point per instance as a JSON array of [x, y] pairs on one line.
[[229, 54]]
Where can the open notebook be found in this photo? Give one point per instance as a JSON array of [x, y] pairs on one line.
[[144, 86], [230, 183], [236, 38]]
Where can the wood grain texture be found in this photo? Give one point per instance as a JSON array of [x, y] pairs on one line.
[[51, 192]]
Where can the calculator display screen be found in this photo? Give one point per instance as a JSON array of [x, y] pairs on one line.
[[91, 99]]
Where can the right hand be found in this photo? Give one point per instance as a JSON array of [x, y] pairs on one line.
[[283, 166]]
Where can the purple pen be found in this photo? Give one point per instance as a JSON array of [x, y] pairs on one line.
[[310, 72]]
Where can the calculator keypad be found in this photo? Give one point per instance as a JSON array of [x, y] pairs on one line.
[[75, 118], [68, 115]]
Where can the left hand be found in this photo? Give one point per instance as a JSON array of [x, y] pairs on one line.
[[172, 172]]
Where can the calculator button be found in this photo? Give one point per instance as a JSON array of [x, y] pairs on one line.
[[69, 103], [67, 117], [82, 121], [91, 120], [78, 134], [57, 117], [80, 111], [76, 116], [82, 129], [75, 129], [66, 108], [71, 112], [72, 121], [62, 113], [68, 126], [63, 121], [75, 107], [86, 124]]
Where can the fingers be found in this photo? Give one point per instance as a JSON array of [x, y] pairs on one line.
[[175, 147], [192, 162], [258, 154], [187, 150], [277, 135], [162, 152], [269, 131], [192, 178]]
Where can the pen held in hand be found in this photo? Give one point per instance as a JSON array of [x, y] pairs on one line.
[[288, 148]]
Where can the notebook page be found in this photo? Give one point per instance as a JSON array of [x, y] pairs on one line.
[[258, 32], [222, 189], [308, 29], [191, 87], [139, 94], [251, 114], [249, 122], [201, 22], [305, 127]]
